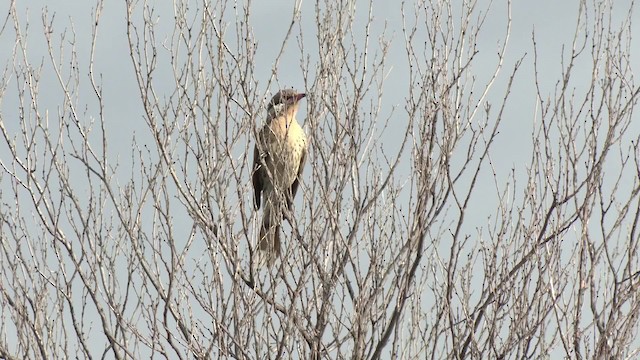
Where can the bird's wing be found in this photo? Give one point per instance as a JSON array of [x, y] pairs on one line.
[[296, 182], [257, 176]]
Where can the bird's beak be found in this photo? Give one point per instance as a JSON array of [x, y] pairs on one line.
[[300, 96]]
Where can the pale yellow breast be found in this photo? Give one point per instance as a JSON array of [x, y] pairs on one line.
[[285, 142]]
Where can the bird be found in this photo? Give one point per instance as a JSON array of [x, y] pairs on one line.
[[278, 160]]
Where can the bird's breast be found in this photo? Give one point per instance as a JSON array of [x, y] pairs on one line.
[[285, 143]]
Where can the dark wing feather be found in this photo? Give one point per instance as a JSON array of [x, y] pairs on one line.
[[257, 176]]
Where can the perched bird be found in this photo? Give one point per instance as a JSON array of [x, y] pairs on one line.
[[278, 160]]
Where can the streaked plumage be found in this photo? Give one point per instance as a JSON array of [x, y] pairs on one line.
[[278, 160]]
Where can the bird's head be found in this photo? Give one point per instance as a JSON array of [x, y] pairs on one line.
[[284, 101]]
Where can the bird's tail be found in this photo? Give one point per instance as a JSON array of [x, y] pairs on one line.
[[269, 244]]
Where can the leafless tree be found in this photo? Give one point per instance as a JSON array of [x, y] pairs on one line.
[[410, 237]]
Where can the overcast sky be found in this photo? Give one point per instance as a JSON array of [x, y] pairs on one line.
[[554, 23]]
